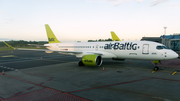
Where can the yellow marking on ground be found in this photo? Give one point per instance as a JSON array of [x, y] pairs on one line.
[[153, 71], [145, 69], [174, 73], [8, 56]]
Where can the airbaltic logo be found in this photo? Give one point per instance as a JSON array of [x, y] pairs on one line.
[[122, 46], [88, 61], [51, 39]]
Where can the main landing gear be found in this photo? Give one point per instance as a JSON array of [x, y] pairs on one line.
[[80, 63]]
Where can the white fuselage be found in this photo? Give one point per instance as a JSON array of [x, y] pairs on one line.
[[145, 50]]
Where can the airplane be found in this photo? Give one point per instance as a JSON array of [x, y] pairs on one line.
[[93, 53]]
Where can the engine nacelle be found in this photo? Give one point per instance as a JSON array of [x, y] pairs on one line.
[[92, 60]]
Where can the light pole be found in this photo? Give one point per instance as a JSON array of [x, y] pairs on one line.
[[165, 35], [165, 30]]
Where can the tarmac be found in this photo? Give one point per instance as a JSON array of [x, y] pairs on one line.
[[38, 76]]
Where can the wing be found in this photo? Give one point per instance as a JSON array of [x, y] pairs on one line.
[[77, 53], [74, 52]]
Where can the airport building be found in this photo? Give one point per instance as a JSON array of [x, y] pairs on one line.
[[171, 41]]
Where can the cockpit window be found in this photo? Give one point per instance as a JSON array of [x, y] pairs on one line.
[[161, 47], [165, 47]]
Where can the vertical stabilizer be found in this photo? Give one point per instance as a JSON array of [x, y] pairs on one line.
[[114, 36], [51, 37]]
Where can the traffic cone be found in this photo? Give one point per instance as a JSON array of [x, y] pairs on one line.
[[103, 69], [128, 62], [3, 72], [41, 58]]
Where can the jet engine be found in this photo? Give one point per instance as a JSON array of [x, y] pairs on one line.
[[91, 60]]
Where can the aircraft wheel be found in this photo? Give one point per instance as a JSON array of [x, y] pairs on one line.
[[80, 63], [156, 68]]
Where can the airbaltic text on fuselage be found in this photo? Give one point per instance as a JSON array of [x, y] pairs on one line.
[[121, 46]]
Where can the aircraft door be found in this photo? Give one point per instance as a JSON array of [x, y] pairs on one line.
[[145, 49]]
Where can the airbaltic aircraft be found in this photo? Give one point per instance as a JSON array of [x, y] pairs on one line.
[[93, 53]]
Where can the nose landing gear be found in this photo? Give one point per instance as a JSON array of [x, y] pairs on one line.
[[156, 68]]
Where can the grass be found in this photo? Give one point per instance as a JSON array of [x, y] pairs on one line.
[[5, 49]]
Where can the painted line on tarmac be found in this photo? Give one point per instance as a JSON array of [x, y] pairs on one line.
[[9, 68], [161, 65], [41, 83], [8, 56], [50, 78], [153, 71], [17, 93], [41, 86], [32, 59], [110, 85], [30, 88], [1, 99], [145, 69], [174, 72], [166, 79], [123, 83]]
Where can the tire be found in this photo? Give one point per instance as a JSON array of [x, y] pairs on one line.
[[80, 63], [156, 68]]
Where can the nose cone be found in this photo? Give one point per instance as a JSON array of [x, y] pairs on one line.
[[177, 55], [172, 55]]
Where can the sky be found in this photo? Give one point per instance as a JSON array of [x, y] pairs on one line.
[[81, 20]]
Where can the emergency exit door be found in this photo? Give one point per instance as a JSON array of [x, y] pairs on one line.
[[145, 49]]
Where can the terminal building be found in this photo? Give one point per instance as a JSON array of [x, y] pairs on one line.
[[171, 41]]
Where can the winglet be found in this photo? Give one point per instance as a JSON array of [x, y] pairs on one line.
[[8, 45], [51, 37], [114, 36]]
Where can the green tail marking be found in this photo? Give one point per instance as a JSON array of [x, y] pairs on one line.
[[114, 36], [51, 37]]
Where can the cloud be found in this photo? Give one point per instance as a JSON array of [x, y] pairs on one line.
[[5, 39], [7, 21], [175, 5], [10, 19], [95, 1], [113, 2], [156, 2], [1, 12], [118, 2], [140, 0]]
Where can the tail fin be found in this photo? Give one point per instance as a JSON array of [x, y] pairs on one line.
[[51, 37], [114, 36]]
